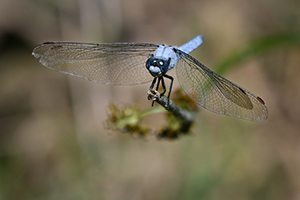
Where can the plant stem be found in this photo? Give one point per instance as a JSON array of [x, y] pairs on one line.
[[187, 117]]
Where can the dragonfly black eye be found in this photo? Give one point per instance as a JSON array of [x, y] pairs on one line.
[[150, 62], [163, 65]]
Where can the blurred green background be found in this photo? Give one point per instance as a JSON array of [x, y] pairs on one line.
[[53, 144]]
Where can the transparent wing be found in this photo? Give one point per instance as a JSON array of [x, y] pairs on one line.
[[109, 63], [216, 93]]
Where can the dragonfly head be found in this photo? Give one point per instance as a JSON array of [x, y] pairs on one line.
[[157, 67]]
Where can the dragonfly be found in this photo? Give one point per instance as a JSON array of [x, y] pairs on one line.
[[138, 63]]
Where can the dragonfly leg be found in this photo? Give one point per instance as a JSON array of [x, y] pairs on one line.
[[163, 86], [158, 83], [151, 86], [153, 83], [170, 89], [156, 88]]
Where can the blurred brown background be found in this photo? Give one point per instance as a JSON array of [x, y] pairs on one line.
[[53, 144]]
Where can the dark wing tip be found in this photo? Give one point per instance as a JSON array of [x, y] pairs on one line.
[[260, 100], [48, 43]]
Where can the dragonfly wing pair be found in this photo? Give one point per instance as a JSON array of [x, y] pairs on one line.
[[124, 64]]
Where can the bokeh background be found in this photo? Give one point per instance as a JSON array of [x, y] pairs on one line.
[[53, 144]]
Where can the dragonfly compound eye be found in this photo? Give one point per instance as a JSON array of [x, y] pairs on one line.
[[150, 62], [163, 65]]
